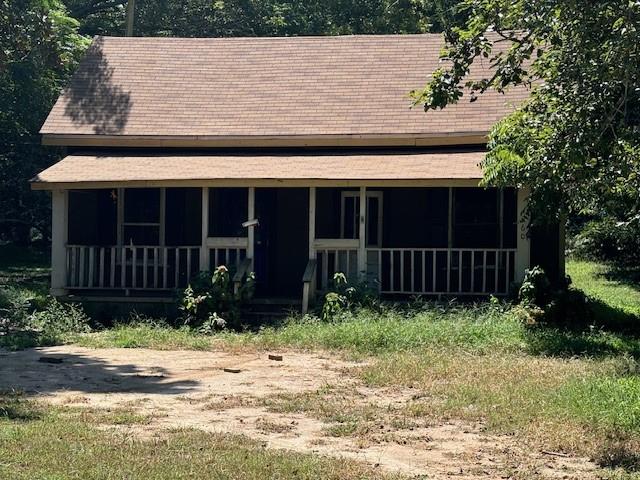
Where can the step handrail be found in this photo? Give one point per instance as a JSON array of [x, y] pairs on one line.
[[243, 269], [308, 284]]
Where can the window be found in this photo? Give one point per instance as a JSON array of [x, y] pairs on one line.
[[228, 209], [92, 217], [476, 218], [141, 216], [350, 215]]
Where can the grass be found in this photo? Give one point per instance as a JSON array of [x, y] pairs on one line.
[[617, 289], [571, 390], [54, 443], [145, 335]]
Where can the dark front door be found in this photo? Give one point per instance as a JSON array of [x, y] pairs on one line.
[[281, 248]]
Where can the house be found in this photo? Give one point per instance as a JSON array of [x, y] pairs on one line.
[[292, 157]]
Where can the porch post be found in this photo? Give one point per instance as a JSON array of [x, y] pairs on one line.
[[204, 250], [251, 214], [59, 232], [523, 247], [362, 250], [312, 222]]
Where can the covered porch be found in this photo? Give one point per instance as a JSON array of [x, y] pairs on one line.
[[400, 240], [409, 223]]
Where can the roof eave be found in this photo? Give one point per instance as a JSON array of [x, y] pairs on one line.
[[196, 141]]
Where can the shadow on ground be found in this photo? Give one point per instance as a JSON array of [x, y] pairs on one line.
[[35, 372]]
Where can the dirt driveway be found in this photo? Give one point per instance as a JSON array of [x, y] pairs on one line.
[[285, 404]]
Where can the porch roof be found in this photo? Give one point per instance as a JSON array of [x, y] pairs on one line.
[[332, 168]]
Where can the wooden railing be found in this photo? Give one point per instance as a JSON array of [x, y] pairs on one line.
[[130, 267], [335, 255], [465, 271], [308, 284], [229, 251], [244, 269]]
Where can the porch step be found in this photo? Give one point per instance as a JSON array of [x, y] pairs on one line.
[[269, 310]]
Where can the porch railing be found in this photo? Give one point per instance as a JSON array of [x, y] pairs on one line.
[[429, 271], [460, 271], [130, 267], [335, 255]]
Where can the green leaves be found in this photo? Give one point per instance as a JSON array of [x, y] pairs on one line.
[[575, 142]]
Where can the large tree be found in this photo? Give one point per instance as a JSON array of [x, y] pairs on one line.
[[576, 141], [223, 18], [39, 48]]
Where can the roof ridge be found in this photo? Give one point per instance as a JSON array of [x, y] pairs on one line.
[[279, 38]]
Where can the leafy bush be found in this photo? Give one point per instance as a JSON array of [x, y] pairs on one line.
[[209, 302], [560, 306], [346, 297], [609, 240], [23, 325], [59, 319]]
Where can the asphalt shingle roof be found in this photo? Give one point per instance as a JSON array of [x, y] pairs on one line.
[[228, 87], [370, 166]]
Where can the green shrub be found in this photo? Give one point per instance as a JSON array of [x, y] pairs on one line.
[[209, 303], [610, 240], [24, 325], [345, 297], [57, 321]]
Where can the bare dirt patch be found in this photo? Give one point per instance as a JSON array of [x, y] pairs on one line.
[[308, 402]]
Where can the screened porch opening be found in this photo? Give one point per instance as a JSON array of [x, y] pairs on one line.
[[415, 241], [145, 239], [419, 240]]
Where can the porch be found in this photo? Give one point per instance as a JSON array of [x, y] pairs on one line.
[[401, 241]]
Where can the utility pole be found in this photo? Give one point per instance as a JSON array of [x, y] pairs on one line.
[[131, 7]]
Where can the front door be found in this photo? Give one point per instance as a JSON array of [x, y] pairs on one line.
[[281, 249], [350, 215]]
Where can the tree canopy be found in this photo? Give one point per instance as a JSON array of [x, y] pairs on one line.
[[41, 41], [216, 18], [576, 141], [40, 47]]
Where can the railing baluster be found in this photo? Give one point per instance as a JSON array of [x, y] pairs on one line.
[[72, 267], [448, 270], [391, 262], [112, 273], [101, 269], [176, 272], [155, 266], [413, 276], [434, 272], [325, 269], [348, 269], [165, 267], [473, 270], [379, 269], [92, 259], [496, 257], [82, 255], [424, 274], [484, 272], [459, 271], [134, 267], [506, 273], [123, 268], [144, 267]]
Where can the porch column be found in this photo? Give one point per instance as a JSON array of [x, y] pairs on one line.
[[362, 237], [204, 249], [251, 214], [523, 248], [59, 232], [312, 222]]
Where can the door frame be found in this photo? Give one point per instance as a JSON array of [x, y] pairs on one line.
[[356, 196]]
